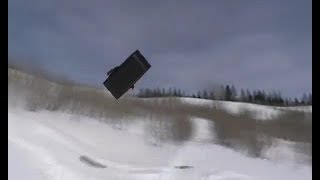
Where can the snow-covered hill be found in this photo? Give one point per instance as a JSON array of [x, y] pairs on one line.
[[260, 112], [61, 145], [48, 145]]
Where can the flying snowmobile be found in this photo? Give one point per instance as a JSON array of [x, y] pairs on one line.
[[123, 77]]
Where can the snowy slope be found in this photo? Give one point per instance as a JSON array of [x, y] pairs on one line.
[[261, 112], [57, 145], [20, 166], [51, 143]]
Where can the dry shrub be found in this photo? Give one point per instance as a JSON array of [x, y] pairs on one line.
[[291, 125]]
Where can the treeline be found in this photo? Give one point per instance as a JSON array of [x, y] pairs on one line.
[[230, 93]]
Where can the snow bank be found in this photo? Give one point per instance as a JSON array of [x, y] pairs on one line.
[[55, 142], [260, 112], [216, 162], [20, 166], [284, 152]]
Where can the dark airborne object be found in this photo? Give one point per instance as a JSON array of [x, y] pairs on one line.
[[123, 77]]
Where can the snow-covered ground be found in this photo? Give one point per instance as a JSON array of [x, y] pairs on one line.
[[57, 145], [48, 145], [261, 112]]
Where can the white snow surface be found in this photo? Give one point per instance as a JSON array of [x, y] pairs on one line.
[[260, 112], [48, 145]]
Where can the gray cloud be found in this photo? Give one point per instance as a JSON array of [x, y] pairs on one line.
[[252, 44]]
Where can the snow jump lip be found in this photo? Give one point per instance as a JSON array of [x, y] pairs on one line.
[[127, 74]]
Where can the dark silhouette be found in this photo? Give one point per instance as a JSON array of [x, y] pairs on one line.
[[122, 78], [113, 70]]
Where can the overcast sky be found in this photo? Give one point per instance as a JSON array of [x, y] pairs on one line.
[[190, 44]]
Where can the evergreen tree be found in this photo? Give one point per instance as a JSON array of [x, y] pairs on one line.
[[148, 92], [268, 99], [310, 99], [243, 96], [234, 93], [179, 93], [199, 94], [228, 93], [158, 92], [286, 102], [184, 94], [212, 95], [140, 93], [170, 92], [254, 96], [249, 96], [304, 99], [163, 92], [175, 92], [205, 94], [263, 97], [290, 102], [222, 93], [296, 102]]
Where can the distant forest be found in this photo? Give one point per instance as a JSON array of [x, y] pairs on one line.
[[230, 93]]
